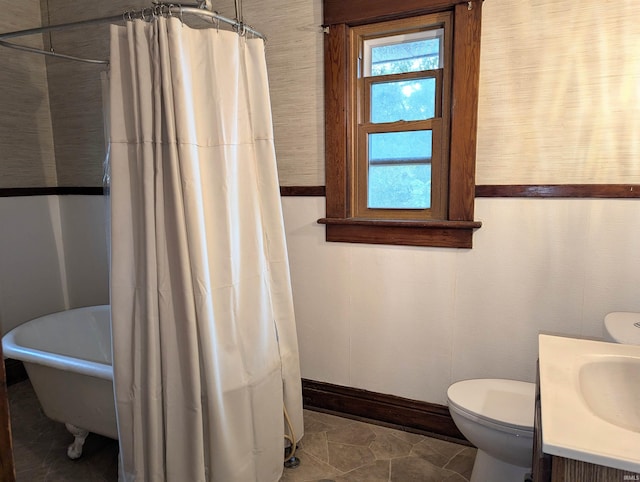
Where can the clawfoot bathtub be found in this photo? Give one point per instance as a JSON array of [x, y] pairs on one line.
[[68, 358]]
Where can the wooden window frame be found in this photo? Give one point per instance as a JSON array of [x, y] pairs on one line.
[[456, 228], [361, 125]]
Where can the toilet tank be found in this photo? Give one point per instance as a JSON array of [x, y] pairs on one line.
[[622, 327]]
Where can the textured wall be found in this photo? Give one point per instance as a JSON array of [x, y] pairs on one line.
[[295, 62], [26, 144], [559, 96], [294, 57], [75, 88], [559, 92], [410, 321]]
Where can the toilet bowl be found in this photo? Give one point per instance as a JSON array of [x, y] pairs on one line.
[[496, 415]]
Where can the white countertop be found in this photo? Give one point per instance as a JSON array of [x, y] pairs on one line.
[[571, 428]]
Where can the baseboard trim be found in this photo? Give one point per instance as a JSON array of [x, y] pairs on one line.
[[388, 410], [51, 191], [397, 412], [14, 371]]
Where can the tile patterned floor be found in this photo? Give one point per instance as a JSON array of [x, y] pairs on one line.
[[343, 450], [333, 449], [40, 445]]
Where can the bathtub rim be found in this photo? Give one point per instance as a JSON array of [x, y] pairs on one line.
[[11, 349]]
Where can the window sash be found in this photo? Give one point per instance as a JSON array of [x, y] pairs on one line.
[[361, 126], [367, 83], [428, 33], [439, 178]]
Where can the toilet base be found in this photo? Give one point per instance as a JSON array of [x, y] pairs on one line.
[[489, 469]]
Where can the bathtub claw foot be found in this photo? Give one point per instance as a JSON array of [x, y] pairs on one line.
[[74, 451]]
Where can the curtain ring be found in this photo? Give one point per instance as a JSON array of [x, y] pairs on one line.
[[241, 29]]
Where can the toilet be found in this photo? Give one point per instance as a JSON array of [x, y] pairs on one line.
[[496, 415], [622, 327]]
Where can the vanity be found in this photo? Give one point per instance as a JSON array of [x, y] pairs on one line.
[[587, 411]]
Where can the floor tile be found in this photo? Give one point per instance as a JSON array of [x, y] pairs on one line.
[[310, 469], [388, 446], [377, 471], [334, 449], [417, 469], [317, 445], [462, 463], [349, 457], [352, 434], [437, 452]]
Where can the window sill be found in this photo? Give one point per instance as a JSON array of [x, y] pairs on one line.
[[443, 234]]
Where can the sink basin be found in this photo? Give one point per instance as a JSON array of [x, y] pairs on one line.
[[590, 401], [610, 386]]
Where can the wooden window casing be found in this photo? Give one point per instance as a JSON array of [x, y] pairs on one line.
[[347, 218]]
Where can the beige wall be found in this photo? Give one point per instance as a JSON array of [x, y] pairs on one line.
[[53, 256], [400, 320], [559, 92], [410, 321], [26, 143], [294, 57], [75, 89]]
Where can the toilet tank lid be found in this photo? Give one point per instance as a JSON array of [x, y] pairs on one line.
[[509, 402], [621, 327]]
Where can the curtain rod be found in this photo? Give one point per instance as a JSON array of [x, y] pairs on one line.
[[171, 10]]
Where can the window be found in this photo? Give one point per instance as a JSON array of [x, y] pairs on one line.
[[400, 121], [401, 91]]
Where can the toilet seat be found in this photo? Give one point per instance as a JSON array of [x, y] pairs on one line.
[[506, 404]]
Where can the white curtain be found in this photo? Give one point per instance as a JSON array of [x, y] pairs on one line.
[[204, 340]]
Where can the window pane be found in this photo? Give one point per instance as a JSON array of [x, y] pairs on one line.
[[399, 170], [400, 187], [400, 147], [403, 100], [399, 57]]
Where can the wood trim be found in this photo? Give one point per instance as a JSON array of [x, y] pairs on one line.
[[607, 191], [464, 111], [336, 111], [569, 470], [7, 468], [357, 12], [51, 191], [561, 191], [399, 235], [402, 413], [302, 191], [340, 105], [407, 224]]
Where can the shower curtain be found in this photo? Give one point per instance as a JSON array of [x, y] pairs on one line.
[[204, 339]]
